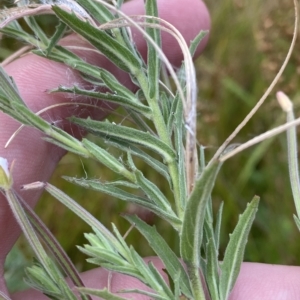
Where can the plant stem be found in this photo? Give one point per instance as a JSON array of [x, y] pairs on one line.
[[162, 131], [71, 142], [196, 283]]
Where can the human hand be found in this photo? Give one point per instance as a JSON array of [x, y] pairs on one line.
[[255, 282], [36, 160]]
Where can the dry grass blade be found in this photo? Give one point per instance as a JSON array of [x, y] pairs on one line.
[[265, 95], [9, 15], [15, 13], [260, 138], [16, 55]]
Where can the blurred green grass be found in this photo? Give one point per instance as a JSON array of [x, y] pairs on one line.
[[247, 45]]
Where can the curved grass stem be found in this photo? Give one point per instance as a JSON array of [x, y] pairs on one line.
[[266, 94]]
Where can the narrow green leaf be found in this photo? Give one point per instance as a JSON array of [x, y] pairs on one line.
[[39, 280], [151, 296], [218, 225], [66, 291], [103, 294], [145, 272], [34, 120], [194, 215], [131, 271], [98, 240], [293, 159], [171, 116], [37, 30], [28, 231], [116, 87], [107, 159], [125, 196], [53, 245], [212, 270], [108, 97], [139, 121], [102, 15], [80, 211], [101, 255], [48, 267], [153, 192], [13, 113], [9, 89], [68, 140], [163, 251], [108, 189], [104, 78], [13, 100], [163, 285], [135, 151], [234, 253], [153, 58], [59, 33], [97, 10], [122, 242], [192, 227], [122, 183], [127, 134], [196, 41], [20, 34], [111, 48]]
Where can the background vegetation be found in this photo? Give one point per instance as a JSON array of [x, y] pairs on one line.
[[248, 42]]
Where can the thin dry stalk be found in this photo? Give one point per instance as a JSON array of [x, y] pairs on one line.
[[265, 95]]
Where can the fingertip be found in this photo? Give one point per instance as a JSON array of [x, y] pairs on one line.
[[189, 17], [265, 281]]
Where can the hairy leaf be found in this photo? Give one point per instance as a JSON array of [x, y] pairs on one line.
[[163, 251], [234, 253], [127, 134], [111, 48]]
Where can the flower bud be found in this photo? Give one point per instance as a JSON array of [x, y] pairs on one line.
[[5, 176]]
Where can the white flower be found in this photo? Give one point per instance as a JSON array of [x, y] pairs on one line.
[[4, 165], [5, 178]]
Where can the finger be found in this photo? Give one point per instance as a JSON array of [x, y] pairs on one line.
[[35, 159], [255, 281], [262, 281]]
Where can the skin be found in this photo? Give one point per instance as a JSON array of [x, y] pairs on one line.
[[36, 160]]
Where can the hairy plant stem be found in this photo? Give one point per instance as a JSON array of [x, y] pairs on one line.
[[162, 131], [77, 146], [196, 283]]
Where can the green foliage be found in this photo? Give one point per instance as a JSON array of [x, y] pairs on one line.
[[158, 137], [234, 253]]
